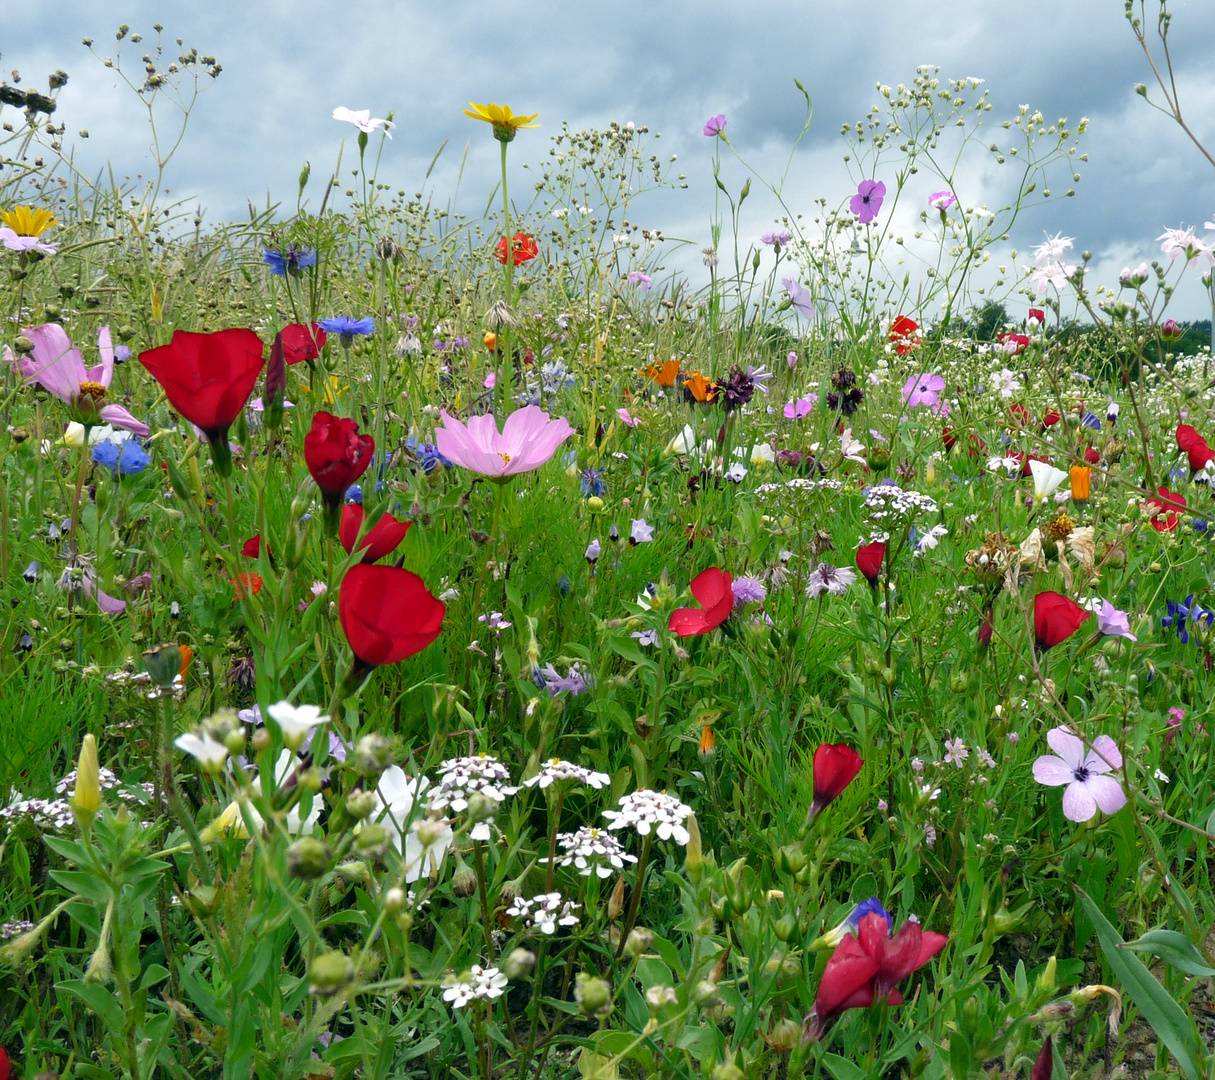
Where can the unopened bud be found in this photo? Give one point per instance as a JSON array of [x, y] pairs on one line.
[[616, 900], [482, 808], [235, 742], [784, 1035], [307, 858], [394, 901], [1046, 981], [360, 804], [693, 855], [372, 755], [261, 740], [463, 881], [329, 972], [727, 1070], [518, 963], [86, 799], [638, 941], [372, 840], [430, 831], [593, 995]]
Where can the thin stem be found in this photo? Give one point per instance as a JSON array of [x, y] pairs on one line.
[[635, 899]]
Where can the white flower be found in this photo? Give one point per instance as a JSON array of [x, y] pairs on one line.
[[762, 454], [683, 443], [737, 473], [1046, 479], [555, 770], [1009, 465], [463, 777], [591, 851], [930, 539], [363, 120], [395, 795], [485, 983], [1005, 383], [209, 753], [296, 721], [647, 810], [1052, 251], [852, 449], [545, 912], [830, 579]]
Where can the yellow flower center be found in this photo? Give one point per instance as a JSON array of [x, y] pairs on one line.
[[505, 458], [94, 390]]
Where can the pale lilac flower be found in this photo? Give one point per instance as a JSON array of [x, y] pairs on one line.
[[575, 681], [640, 533], [923, 389], [1055, 274], [1085, 774], [942, 200], [956, 752], [15, 241], [1005, 383], [494, 621], [917, 765], [796, 410], [748, 590], [108, 605], [825, 578], [645, 638], [627, 418], [737, 473], [643, 281], [799, 297], [868, 200], [1182, 243], [776, 238], [985, 759], [714, 126], [363, 120], [1114, 623], [791, 360], [491, 380], [593, 550], [528, 439], [760, 377]]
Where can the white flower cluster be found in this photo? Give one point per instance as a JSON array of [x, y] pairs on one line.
[[545, 912], [647, 810], [485, 983], [591, 850], [461, 778], [882, 500], [555, 770], [800, 483], [54, 813]]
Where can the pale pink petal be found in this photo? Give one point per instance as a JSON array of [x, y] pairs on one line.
[[1104, 756], [56, 365], [117, 416], [483, 434], [104, 371], [1053, 771], [106, 603], [1078, 804], [1067, 746], [1106, 792], [522, 426], [542, 446], [457, 444]]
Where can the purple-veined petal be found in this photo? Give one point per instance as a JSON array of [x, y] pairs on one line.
[[1067, 746], [1106, 792]]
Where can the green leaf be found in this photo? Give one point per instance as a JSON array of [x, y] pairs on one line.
[[99, 1001], [155, 974], [1173, 948], [1159, 1009], [841, 1068]]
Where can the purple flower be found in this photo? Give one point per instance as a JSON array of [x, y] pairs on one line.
[[641, 533], [1085, 774], [1114, 623], [575, 681], [593, 550], [923, 389], [748, 590], [795, 410], [714, 126], [868, 200], [643, 281], [942, 200], [776, 238], [799, 297]]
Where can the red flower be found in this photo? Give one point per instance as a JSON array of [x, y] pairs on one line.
[[381, 540], [987, 628], [5, 1067], [301, 342], [1018, 414], [523, 248], [948, 439], [869, 560], [1020, 343], [1187, 436], [903, 333], [251, 582], [1036, 314], [1045, 1062], [866, 968], [337, 455], [1056, 618], [1050, 418], [1200, 455], [835, 767], [1165, 506], [1092, 456], [713, 589], [387, 613], [252, 547], [207, 377]]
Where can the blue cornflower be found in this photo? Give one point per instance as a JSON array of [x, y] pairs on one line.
[[428, 454], [555, 376], [293, 260], [872, 906], [1182, 610], [126, 458], [593, 482], [347, 328], [1091, 421], [354, 494]]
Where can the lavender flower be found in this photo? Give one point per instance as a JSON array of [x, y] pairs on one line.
[[868, 200], [825, 578]]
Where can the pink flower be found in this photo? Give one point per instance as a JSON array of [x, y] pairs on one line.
[[1085, 774], [714, 126], [643, 281], [868, 200], [923, 389], [59, 369], [108, 605], [942, 200], [792, 360], [491, 380], [627, 418], [795, 410], [1114, 623], [528, 439]]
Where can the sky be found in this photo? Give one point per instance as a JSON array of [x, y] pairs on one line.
[[669, 65]]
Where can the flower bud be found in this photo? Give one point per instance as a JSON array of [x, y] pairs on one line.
[[360, 804], [594, 504], [261, 740], [372, 840], [593, 994], [705, 994], [372, 755], [518, 963], [430, 831], [638, 941], [791, 859], [463, 881], [785, 926], [307, 858], [329, 972], [235, 742], [784, 1036], [727, 1070], [394, 901], [481, 808], [616, 900], [693, 856], [163, 664], [86, 799], [1046, 981]]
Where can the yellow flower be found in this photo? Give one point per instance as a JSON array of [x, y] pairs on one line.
[[28, 221], [86, 799], [504, 122]]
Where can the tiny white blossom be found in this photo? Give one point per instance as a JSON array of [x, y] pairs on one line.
[[555, 770], [647, 810]]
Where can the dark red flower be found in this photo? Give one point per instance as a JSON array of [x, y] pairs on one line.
[[1036, 314], [948, 439], [381, 540], [5, 1068], [1045, 1062], [835, 767], [207, 377], [987, 628], [302, 342], [904, 335], [1165, 506], [252, 547], [1018, 414], [337, 455], [1056, 618], [1019, 343], [1092, 456], [713, 589], [387, 613], [869, 560], [522, 246]]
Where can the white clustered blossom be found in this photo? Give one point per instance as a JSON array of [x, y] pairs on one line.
[[486, 983], [555, 770], [882, 500], [646, 810], [591, 850], [799, 483], [545, 912], [461, 778]]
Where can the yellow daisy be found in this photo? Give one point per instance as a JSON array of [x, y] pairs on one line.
[[504, 122], [28, 221]]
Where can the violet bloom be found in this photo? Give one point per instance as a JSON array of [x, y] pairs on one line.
[[714, 126], [59, 369], [802, 407], [108, 605], [575, 682], [1114, 623], [825, 578], [640, 533], [799, 297], [643, 281], [748, 589], [942, 200], [528, 439], [923, 389], [776, 238], [868, 200], [1085, 774]]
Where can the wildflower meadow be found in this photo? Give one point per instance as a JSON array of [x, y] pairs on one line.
[[467, 646]]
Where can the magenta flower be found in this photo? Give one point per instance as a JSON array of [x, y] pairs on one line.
[[627, 418], [1114, 623], [923, 389], [799, 297], [1085, 774], [528, 439], [942, 200], [868, 200], [643, 281], [59, 369], [796, 410], [715, 126]]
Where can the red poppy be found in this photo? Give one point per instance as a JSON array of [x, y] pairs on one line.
[[1019, 343], [835, 767], [1200, 455], [522, 246], [5, 1068], [1036, 314], [251, 582], [1056, 618], [381, 540], [866, 968], [252, 547], [716, 595], [208, 377], [869, 560], [904, 335], [337, 455], [387, 613], [1025, 459], [948, 439], [302, 342], [1050, 418], [1165, 506]]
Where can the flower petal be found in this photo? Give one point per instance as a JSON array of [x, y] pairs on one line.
[[1078, 804], [1067, 746], [1106, 792], [1053, 771]]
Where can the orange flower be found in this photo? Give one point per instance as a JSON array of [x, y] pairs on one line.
[[1080, 481], [699, 387], [252, 582], [490, 341], [708, 741], [664, 374], [187, 655]]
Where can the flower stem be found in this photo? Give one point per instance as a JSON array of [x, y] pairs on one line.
[[635, 899]]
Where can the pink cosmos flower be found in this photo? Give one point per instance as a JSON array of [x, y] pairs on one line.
[[528, 439], [923, 389], [942, 200], [868, 200], [59, 369], [795, 410], [627, 418], [1089, 786]]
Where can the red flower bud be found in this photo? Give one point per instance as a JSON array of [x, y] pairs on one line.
[[381, 540], [1051, 418], [1056, 618], [387, 613], [987, 627], [715, 592], [5, 1068], [869, 560], [1045, 1063], [1092, 456], [835, 767], [337, 455]]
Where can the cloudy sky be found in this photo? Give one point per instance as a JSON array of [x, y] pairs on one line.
[[669, 64]]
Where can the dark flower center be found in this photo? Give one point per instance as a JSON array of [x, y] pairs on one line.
[[1082, 773]]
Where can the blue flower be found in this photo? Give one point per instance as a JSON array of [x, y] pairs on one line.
[[293, 260], [354, 494], [347, 328], [126, 458], [872, 906], [593, 482], [1182, 610], [1091, 421], [428, 455]]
